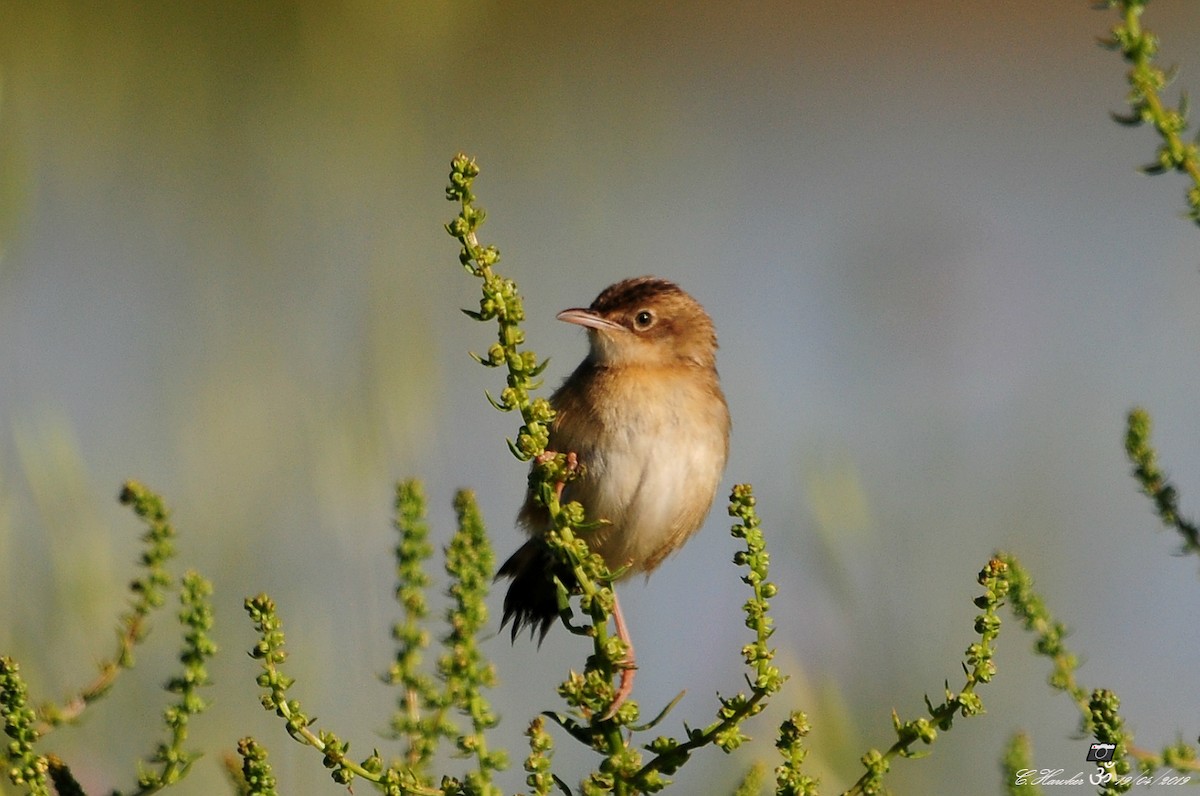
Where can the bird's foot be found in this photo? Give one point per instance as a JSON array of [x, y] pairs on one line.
[[572, 465]]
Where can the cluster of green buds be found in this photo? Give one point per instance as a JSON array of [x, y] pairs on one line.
[[1107, 727], [254, 777], [23, 765], [790, 779]]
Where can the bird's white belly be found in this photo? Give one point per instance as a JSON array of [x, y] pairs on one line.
[[655, 483]]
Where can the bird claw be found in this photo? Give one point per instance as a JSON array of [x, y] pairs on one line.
[[572, 465]]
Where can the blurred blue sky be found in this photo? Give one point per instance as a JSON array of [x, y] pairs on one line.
[[938, 280]]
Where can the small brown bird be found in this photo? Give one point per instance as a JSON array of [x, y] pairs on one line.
[[645, 415]]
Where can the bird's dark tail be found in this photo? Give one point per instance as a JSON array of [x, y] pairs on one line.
[[532, 599]]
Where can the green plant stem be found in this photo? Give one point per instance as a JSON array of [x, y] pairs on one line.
[[420, 716], [979, 668], [196, 617], [270, 653], [149, 593], [790, 779], [537, 764], [1154, 482], [1018, 757], [1138, 46], [726, 731], [466, 671]]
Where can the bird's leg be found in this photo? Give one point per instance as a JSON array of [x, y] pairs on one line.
[[628, 665]]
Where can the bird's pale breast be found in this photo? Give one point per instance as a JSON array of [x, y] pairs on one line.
[[654, 450]]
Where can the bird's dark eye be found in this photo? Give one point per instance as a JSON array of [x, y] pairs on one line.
[[643, 320]]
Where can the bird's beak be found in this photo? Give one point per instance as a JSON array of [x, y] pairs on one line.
[[585, 317]]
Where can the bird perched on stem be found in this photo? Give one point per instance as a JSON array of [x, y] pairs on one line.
[[646, 418]]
